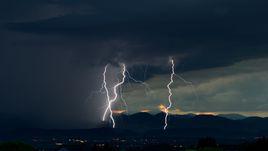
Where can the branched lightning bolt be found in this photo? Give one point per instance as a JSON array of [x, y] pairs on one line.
[[124, 71], [109, 100], [189, 83], [166, 110], [147, 87]]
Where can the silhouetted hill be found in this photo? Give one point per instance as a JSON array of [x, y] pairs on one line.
[[233, 116], [142, 116], [138, 122], [190, 125], [161, 115]]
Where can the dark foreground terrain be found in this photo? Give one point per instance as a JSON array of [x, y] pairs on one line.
[[143, 131]]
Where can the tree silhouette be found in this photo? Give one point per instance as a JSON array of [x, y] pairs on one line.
[[15, 146]]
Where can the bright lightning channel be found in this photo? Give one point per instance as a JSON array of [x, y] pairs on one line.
[[115, 87], [166, 110], [107, 92]]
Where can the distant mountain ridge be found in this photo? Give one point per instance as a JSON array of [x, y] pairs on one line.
[[190, 125], [233, 116]]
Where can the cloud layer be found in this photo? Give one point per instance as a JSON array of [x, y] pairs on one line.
[[238, 88]]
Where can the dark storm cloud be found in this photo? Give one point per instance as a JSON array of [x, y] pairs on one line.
[[200, 34], [52, 51]]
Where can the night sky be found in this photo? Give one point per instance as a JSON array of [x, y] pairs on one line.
[[53, 53]]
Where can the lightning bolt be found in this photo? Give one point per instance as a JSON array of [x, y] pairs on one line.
[[107, 92], [124, 71], [166, 110], [146, 85], [115, 88]]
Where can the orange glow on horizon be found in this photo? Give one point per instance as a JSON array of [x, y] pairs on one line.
[[145, 110], [162, 108], [206, 113], [119, 111]]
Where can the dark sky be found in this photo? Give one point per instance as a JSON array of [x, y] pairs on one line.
[[53, 53]]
